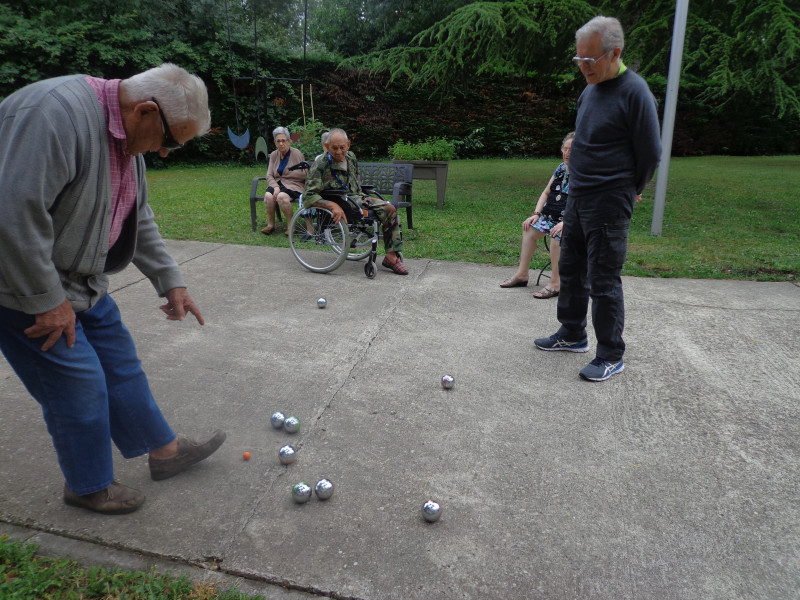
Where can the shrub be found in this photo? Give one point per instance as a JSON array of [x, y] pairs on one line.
[[431, 149], [472, 145], [307, 138]]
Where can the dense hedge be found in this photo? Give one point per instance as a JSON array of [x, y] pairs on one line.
[[499, 117], [740, 65]]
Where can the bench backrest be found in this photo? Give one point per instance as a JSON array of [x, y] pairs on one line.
[[384, 176]]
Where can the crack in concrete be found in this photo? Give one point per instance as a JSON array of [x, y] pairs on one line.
[[368, 336]]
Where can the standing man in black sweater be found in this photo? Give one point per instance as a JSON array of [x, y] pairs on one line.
[[615, 153]]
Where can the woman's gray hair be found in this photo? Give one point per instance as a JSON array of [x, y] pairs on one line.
[[567, 138], [281, 130], [609, 28], [182, 96]]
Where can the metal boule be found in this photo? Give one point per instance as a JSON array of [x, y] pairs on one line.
[[301, 492]]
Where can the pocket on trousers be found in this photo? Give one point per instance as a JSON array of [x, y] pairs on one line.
[[614, 247]]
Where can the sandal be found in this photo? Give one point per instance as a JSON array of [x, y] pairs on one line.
[[514, 282], [545, 293], [397, 267]]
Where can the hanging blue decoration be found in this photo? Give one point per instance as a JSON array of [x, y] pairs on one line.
[[240, 141]]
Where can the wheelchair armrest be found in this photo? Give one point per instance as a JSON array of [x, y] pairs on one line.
[[333, 194], [368, 188], [303, 164]]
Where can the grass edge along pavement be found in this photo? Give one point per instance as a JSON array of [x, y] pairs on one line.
[[726, 217], [25, 575]]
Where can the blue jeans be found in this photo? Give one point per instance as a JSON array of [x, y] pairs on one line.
[[594, 246], [91, 394]]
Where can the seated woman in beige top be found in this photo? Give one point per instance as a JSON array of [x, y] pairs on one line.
[[283, 185]]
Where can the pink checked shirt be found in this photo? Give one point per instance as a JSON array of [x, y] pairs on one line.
[[123, 182]]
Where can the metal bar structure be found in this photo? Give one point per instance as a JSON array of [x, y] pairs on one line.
[[668, 125], [265, 78]]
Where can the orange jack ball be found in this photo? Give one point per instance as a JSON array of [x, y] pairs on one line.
[[246, 456]]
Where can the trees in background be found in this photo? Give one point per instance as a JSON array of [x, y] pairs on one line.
[[354, 27], [491, 66], [737, 51]]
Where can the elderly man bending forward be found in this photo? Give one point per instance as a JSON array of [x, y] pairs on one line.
[[73, 209]]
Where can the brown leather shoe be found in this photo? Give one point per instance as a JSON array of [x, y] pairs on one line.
[[116, 499], [189, 453]]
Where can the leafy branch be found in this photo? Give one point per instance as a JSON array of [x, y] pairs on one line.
[[494, 38]]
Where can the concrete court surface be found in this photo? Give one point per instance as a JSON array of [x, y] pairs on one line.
[[675, 479]]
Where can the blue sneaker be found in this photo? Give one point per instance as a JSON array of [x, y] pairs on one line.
[[556, 342], [600, 370]]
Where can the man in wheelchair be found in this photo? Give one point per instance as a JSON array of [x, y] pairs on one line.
[[337, 169]]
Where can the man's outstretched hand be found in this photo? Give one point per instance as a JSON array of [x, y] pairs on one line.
[[179, 302]]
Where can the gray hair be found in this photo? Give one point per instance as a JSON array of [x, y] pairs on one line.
[[181, 95], [567, 138], [338, 130], [281, 130], [608, 27], [325, 137]]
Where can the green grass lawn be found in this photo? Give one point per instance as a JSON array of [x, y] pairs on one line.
[[26, 576], [725, 217]]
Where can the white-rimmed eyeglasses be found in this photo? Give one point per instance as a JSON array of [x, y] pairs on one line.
[[589, 62]]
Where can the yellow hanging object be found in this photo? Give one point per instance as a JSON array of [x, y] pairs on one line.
[[302, 102]]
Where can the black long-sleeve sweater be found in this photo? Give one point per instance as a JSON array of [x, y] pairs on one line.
[[617, 140]]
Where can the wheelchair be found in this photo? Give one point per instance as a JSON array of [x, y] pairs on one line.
[[321, 245]]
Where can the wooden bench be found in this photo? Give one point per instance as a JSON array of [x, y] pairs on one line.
[[392, 181]]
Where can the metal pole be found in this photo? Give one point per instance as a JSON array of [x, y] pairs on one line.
[[673, 82], [305, 35]]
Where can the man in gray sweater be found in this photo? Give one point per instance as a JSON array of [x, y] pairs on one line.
[[73, 209], [615, 153]]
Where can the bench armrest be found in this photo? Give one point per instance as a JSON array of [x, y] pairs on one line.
[[401, 189], [254, 186]]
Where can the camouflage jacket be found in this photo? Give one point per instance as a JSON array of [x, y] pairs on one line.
[[324, 176]]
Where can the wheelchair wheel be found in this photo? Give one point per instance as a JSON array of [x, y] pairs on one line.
[[317, 241], [360, 242], [369, 269]]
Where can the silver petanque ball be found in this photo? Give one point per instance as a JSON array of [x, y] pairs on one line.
[[322, 303], [301, 492], [286, 455], [291, 424], [448, 381], [324, 489], [431, 511], [277, 419]]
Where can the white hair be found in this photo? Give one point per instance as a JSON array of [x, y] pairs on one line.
[[609, 28], [281, 130], [182, 96], [338, 131]]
